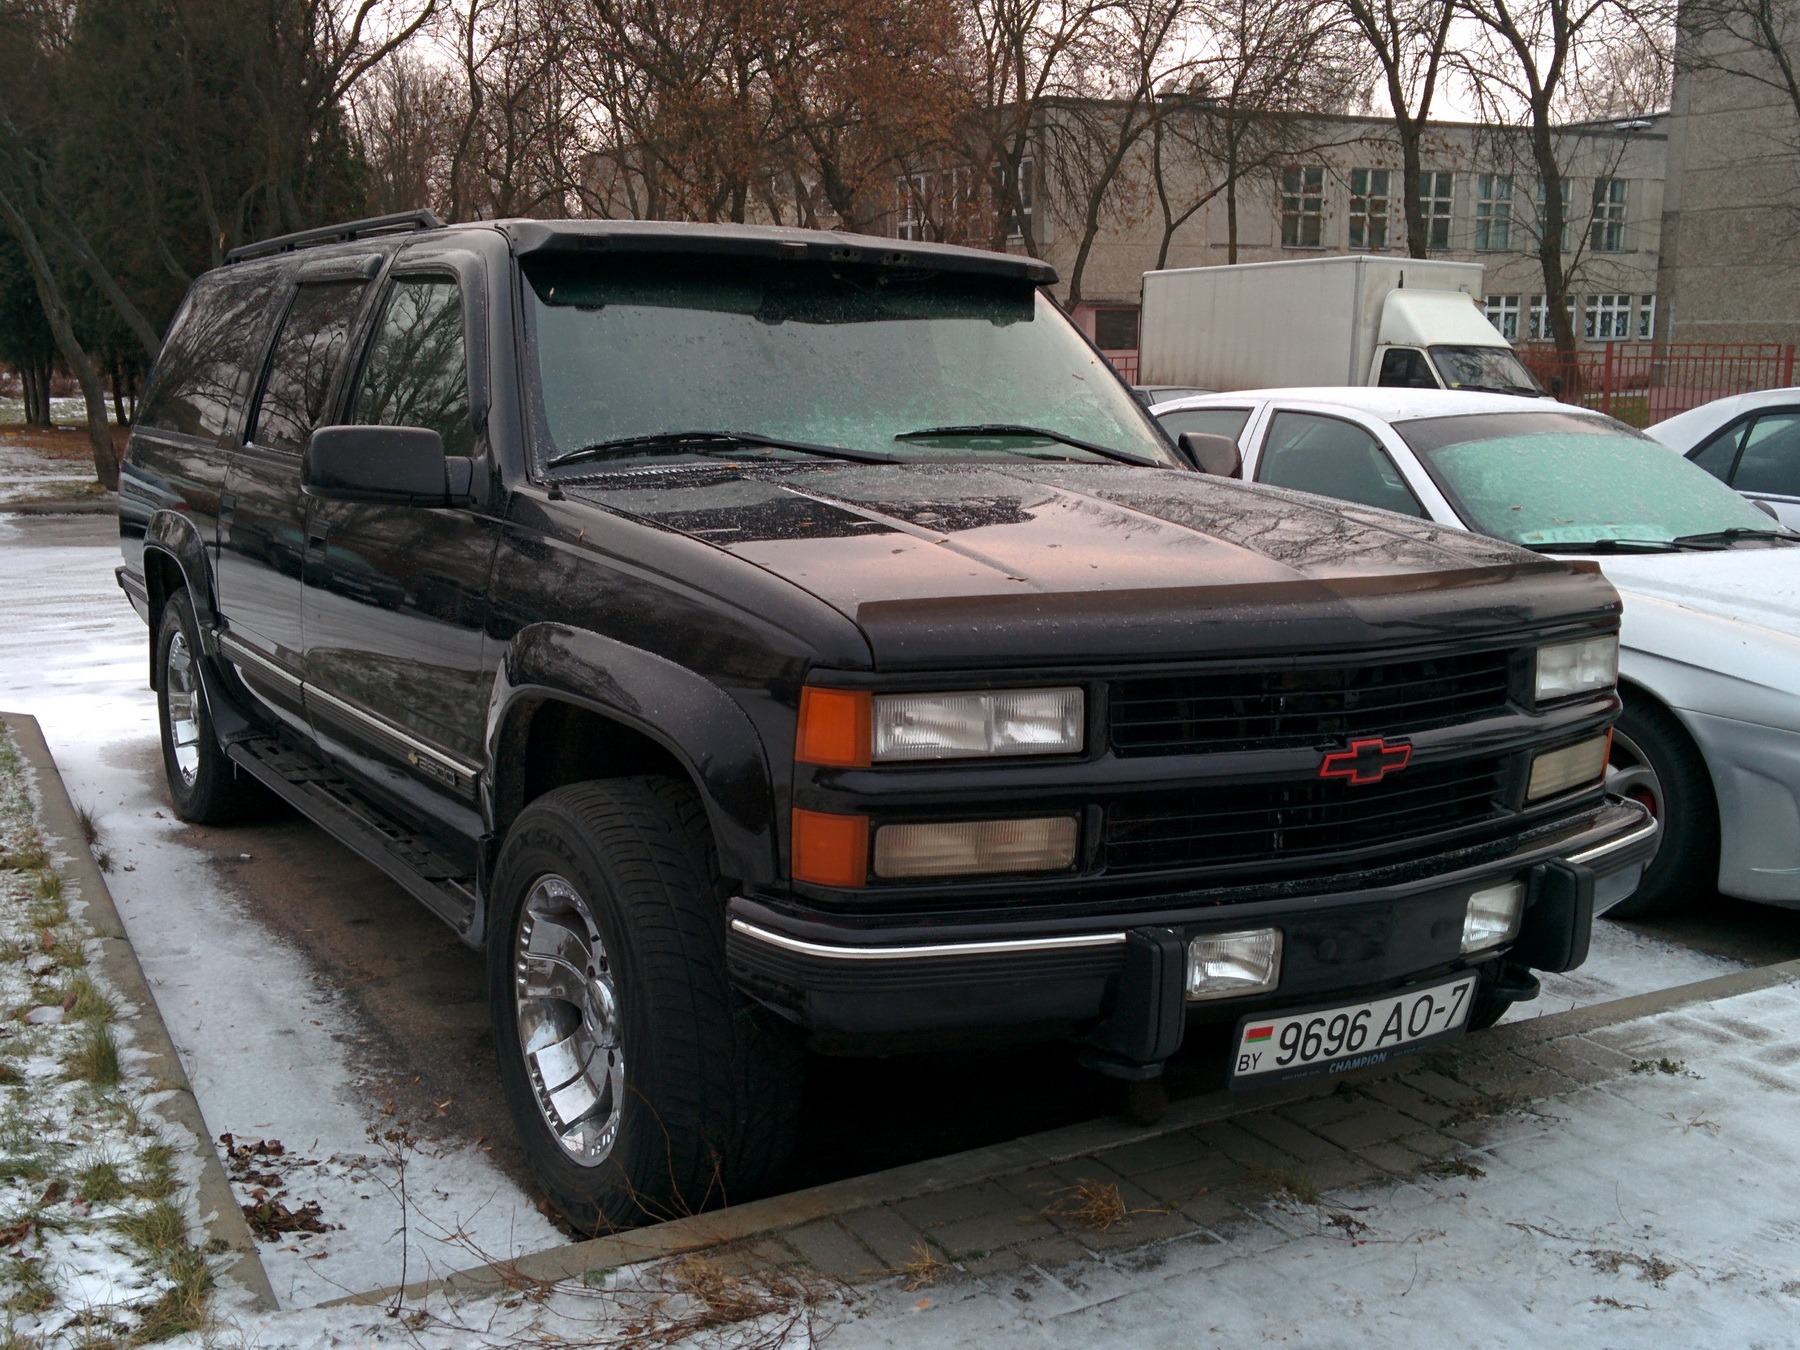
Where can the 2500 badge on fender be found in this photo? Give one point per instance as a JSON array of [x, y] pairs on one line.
[[767, 640]]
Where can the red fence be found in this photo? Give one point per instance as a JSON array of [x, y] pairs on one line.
[[1642, 383], [1125, 362]]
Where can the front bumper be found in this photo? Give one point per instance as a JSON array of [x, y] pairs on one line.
[[1756, 777], [1117, 982]]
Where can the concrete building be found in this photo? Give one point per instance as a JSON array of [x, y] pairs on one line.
[[1481, 205], [1731, 223]]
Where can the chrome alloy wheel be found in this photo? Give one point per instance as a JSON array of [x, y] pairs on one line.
[[568, 1012], [183, 697], [1629, 774]]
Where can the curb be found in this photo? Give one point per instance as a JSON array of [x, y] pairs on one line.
[[218, 1207], [759, 1217], [72, 507]]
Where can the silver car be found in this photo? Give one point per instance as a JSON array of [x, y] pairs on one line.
[[1709, 666], [1751, 441]]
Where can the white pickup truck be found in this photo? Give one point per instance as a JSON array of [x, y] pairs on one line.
[[1409, 323]]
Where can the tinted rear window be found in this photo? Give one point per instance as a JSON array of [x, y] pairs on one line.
[[203, 374]]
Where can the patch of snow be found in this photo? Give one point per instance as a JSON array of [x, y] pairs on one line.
[[268, 1046], [1621, 962]]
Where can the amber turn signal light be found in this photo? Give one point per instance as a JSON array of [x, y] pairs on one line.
[[834, 728], [829, 850]]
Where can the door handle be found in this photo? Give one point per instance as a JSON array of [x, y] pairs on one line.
[[227, 503], [315, 542]]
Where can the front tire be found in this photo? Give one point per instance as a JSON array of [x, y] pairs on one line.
[[205, 787], [641, 1085], [1655, 762]]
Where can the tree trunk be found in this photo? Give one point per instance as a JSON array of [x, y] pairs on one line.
[[106, 460], [1409, 189], [1231, 219]]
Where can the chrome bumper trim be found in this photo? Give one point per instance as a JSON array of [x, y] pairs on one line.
[[1019, 946], [1601, 850]]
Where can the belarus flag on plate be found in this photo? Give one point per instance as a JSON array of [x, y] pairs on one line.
[[1255, 1034]]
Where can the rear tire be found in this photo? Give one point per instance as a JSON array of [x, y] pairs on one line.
[[1655, 762], [641, 1084], [204, 785]]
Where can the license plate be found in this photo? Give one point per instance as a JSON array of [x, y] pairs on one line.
[[1334, 1040]]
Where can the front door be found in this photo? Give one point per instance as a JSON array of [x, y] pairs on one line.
[[395, 596], [262, 534]]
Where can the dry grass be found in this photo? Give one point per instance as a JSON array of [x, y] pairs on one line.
[[160, 1230], [100, 1183], [96, 1059], [1095, 1205], [1291, 1184], [183, 1306], [924, 1270]]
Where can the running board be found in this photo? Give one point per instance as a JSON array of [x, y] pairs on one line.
[[331, 802]]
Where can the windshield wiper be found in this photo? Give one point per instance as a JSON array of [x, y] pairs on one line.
[[1725, 538], [702, 441], [1625, 545], [1021, 430]]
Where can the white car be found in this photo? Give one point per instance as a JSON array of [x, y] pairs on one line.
[[1751, 441], [1709, 667]]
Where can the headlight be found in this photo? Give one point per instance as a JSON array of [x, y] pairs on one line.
[[1576, 667], [850, 728], [967, 726], [1557, 771], [975, 847]]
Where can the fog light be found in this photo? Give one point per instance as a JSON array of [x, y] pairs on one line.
[[1493, 916], [975, 847], [1557, 771], [1227, 965]]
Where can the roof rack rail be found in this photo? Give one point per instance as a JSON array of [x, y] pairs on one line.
[[398, 222]]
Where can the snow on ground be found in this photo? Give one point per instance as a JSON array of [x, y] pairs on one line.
[[267, 1046], [1653, 1211], [26, 474], [1622, 963]]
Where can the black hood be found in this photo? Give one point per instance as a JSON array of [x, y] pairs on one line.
[[1032, 562]]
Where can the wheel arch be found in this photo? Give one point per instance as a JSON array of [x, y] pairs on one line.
[[570, 705], [174, 559]]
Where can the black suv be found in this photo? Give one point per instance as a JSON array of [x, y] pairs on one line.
[[763, 639]]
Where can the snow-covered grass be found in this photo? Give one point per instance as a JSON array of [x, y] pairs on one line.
[[95, 1247]]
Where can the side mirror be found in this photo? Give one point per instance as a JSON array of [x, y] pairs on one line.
[[1211, 453], [405, 466], [1765, 508], [1556, 384]]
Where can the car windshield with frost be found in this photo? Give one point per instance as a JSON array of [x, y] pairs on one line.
[[652, 357], [1560, 482]]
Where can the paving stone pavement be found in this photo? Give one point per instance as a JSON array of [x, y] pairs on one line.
[[1225, 1176]]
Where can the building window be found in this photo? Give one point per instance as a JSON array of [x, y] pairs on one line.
[[1608, 318], [1607, 232], [1646, 325], [1302, 207], [1538, 325], [1503, 312], [936, 205], [1562, 242], [1369, 209], [1493, 210], [1116, 330], [1436, 197]]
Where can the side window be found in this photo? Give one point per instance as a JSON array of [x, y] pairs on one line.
[[1219, 421], [1718, 454], [417, 373], [307, 351], [1333, 458], [1771, 459], [204, 370], [1405, 368]]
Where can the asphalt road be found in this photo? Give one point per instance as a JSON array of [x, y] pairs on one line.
[[417, 1000]]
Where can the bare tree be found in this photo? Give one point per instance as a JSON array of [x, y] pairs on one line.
[[1407, 40], [1524, 61], [1096, 143]]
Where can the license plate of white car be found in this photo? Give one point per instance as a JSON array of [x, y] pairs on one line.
[[1351, 1036]]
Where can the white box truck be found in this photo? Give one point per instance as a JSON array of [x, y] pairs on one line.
[[1408, 322]]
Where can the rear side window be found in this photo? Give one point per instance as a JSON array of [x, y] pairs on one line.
[[1770, 461], [1720, 453], [209, 357], [418, 371], [312, 342]]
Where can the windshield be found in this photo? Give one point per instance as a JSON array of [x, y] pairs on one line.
[[882, 362], [1496, 369], [1560, 480]]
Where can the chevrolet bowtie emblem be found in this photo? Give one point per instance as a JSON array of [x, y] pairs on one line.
[[1366, 761]]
